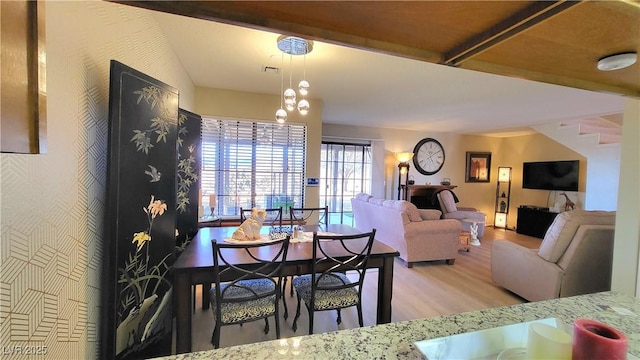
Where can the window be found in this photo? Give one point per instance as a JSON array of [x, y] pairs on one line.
[[345, 171], [252, 164]]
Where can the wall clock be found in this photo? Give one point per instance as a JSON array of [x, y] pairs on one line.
[[428, 156]]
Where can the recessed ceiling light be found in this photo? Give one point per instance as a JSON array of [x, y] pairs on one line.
[[617, 61]]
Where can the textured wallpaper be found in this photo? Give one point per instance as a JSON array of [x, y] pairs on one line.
[[52, 205]]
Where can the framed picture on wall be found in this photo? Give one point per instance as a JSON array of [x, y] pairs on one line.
[[478, 167]]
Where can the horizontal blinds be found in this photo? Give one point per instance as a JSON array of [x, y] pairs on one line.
[[252, 164]]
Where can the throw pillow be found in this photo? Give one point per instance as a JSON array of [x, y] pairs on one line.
[[409, 208], [389, 203], [430, 214]]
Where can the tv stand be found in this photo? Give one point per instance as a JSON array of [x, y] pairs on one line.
[[534, 220]]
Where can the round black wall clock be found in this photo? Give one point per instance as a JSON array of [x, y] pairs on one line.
[[428, 156]]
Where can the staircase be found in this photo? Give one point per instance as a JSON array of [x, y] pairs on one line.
[[599, 140], [598, 136]]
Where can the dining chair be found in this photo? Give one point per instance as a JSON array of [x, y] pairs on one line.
[[302, 216], [255, 289], [328, 287], [274, 216]]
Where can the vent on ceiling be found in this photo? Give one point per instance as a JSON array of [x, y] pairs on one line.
[[270, 69]]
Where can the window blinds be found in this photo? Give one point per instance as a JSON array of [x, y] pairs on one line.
[[252, 164]]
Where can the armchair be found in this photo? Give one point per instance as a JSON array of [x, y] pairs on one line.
[[447, 201], [574, 258]]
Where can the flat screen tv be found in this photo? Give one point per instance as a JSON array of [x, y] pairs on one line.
[[551, 175]]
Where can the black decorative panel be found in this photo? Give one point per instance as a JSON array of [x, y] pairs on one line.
[[188, 176], [140, 222]]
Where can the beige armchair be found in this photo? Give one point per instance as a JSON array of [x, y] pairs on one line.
[[447, 201], [575, 257]]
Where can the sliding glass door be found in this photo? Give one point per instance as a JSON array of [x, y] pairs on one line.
[[345, 170]]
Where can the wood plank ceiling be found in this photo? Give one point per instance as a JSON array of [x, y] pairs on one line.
[[557, 42]]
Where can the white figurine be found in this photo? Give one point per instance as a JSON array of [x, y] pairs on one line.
[[473, 231], [250, 228]]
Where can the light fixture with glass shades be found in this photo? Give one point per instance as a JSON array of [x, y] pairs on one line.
[[403, 169], [281, 114], [503, 194], [293, 45]]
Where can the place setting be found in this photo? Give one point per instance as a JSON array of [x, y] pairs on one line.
[[297, 235]]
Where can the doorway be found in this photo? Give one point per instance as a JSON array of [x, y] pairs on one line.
[[345, 171]]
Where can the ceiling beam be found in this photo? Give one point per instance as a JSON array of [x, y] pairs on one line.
[[235, 13], [523, 19], [573, 82]]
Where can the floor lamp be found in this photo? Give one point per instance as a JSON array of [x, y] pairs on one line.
[[403, 169]]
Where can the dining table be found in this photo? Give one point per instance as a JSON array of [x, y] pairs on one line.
[[195, 266]]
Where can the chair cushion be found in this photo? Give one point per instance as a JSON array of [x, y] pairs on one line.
[[327, 299], [447, 201], [245, 310], [564, 227], [430, 214]]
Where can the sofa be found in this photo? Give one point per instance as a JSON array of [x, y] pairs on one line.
[[574, 258], [418, 235]]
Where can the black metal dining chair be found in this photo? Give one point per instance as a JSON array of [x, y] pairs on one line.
[[328, 287], [274, 216], [302, 216], [255, 289], [306, 216]]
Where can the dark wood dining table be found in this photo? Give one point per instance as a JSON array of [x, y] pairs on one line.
[[195, 266]]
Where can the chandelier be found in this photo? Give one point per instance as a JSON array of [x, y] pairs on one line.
[[293, 46]]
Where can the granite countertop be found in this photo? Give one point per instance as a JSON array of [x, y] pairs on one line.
[[396, 340]]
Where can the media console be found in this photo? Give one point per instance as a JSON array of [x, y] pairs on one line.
[[534, 220]]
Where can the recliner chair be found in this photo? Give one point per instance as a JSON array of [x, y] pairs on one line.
[[574, 258], [447, 201]]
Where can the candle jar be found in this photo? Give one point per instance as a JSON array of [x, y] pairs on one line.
[[595, 340], [548, 342]]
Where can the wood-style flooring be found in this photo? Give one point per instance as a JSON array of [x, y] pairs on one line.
[[428, 289]]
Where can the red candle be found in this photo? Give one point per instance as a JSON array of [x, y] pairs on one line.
[[595, 340]]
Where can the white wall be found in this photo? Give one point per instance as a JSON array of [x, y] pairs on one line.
[[603, 177], [626, 256], [52, 205]]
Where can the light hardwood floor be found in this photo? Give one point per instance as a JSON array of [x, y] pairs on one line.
[[428, 289]]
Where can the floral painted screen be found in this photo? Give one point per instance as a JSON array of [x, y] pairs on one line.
[[140, 226], [188, 177]]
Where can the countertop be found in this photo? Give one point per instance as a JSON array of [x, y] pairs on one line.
[[396, 340]]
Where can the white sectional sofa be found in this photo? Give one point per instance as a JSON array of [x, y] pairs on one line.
[[418, 235]]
